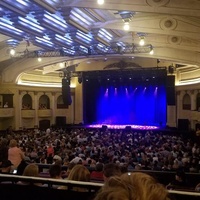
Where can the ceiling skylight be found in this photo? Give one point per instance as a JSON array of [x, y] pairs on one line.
[[105, 35]]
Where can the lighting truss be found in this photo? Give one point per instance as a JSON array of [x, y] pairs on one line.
[[77, 51]]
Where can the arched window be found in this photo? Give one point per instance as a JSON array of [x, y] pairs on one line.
[[60, 103], [26, 102], [44, 102], [186, 102]]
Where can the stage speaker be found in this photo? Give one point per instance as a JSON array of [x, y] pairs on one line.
[[66, 93], [183, 124], [128, 128], [170, 90], [171, 69], [104, 128]]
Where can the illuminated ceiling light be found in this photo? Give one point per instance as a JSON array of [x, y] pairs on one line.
[[61, 65], [142, 41], [126, 26], [100, 2], [126, 17], [12, 52]]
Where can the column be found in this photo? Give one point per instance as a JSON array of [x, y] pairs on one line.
[[193, 100], [35, 106], [53, 107]]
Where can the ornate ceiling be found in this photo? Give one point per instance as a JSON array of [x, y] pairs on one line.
[[90, 36]]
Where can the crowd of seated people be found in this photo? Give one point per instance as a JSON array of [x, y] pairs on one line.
[[129, 150], [42, 106]]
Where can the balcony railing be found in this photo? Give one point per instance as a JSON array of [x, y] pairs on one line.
[[44, 113], [28, 113], [6, 112]]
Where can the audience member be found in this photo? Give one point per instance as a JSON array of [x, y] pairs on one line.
[[5, 167], [6, 105], [197, 188], [179, 182], [69, 168], [55, 171], [50, 150], [57, 160], [15, 154], [3, 150], [97, 174], [31, 170], [78, 173], [111, 169], [137, 185]]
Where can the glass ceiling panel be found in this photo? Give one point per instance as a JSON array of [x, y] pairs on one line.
[[105, 35], [81, 18], [8, 25]]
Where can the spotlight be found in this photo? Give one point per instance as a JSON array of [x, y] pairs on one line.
[[142, 41], [151, 51], [126, 26], [39, 59], [100, 2], [12, 52]]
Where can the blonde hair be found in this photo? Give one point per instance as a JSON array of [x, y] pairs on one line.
[[13, 143], [132, 186], [79, 173], [31, 170]]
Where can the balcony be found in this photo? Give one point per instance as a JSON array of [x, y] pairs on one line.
[[6, 112], [28, 113], [45, 113]]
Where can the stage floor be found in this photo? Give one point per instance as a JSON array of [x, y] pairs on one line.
[[131, 126]]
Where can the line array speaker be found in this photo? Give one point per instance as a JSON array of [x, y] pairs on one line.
[[171, 94], [66, 93]]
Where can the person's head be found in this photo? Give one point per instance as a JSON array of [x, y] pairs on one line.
[[69, 168], [3, 142], [57, 159], [6, 166], [137, 185], [13, 143], [79, 173], [180, 176], [31, 170], [55, 171], [111, 169], [99, 167]]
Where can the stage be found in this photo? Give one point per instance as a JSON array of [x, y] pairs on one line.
[[125, 126]]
